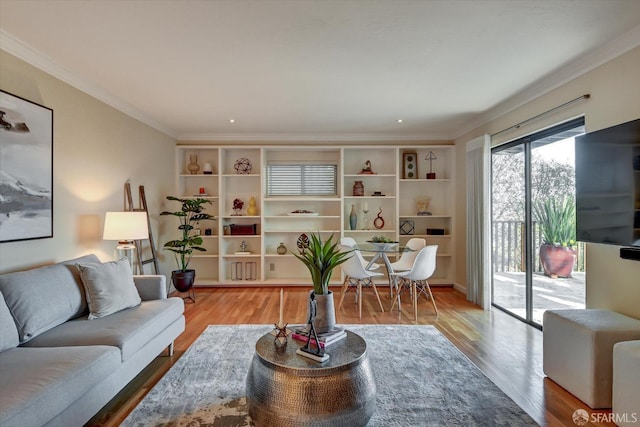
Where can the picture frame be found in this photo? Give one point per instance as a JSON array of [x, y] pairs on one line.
[[26, 156], [410, 165]]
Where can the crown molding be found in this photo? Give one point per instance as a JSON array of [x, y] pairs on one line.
[[574, 69], [308, 137], [34, 57]]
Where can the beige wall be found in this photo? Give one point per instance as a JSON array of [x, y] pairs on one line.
[[96, 150], [612, 283]]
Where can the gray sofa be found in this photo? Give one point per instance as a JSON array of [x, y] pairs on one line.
[[57, 367]]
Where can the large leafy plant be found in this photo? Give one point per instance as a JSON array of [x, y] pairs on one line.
[[557, 219], [190, 214], [321, 258]]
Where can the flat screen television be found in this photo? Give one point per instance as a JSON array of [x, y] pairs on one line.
[[608, 185]]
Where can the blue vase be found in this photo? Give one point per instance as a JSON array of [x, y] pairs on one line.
[[353, 218]]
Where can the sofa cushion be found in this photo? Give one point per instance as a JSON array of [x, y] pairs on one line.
[[8, 332], [39, 383], [109, 287], [129, 330], [45, 297]]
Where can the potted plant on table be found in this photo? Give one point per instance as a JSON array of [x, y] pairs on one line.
[[321, 258], [190, 214], [557, 219]]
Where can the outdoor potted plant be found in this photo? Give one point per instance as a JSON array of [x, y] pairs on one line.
[[321, 258], [190, 214], [557, 219]]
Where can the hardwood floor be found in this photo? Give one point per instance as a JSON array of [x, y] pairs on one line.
[[505, 349]]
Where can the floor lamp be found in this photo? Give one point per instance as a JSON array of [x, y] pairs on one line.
[[125, 227]]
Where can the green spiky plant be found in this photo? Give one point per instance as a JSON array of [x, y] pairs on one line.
[[557, 219], [321, 258], [189, 216]]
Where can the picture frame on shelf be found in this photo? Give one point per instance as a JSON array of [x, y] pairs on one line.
[[407, 227], [409, 165]]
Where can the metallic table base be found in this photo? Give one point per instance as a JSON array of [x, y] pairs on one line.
[[284, 389]]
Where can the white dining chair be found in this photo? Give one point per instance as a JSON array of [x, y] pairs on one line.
[[417, 278], [408, 257], [351, 242], [355, 278]]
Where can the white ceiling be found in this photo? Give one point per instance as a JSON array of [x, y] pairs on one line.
[[316, 70]]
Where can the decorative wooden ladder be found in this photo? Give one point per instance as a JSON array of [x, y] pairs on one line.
[[143, 208]]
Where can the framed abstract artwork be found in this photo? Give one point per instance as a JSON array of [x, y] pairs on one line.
[[26, 169], [409, 165]]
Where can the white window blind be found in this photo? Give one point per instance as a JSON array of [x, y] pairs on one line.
[[302, 179]]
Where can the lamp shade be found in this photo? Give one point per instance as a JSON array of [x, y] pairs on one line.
[[123, 226]]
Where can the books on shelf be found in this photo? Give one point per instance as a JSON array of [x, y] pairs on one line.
[[301, 333]]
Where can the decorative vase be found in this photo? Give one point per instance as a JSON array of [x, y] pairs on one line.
[[252, 210], [358, 188], [193, 167], [282, 249], [353, 218], [325, 319], [183, 280]]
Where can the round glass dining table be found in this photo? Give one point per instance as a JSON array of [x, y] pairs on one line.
[[382, 251]]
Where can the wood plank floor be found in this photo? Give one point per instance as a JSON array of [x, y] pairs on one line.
[[505, 349]]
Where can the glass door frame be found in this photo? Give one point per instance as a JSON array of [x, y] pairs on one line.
[[526, 142]]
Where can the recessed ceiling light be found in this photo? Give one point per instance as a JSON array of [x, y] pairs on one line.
[[232, 120], [399, 121]]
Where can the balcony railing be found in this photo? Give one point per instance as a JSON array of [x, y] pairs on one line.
[[508, 247]]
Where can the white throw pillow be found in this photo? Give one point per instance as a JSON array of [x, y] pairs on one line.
[[109, 287]]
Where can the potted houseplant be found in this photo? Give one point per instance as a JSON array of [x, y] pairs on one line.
[[190, 214], [321, 258], [557, 219]]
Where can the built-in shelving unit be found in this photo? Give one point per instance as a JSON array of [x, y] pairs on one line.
[[386, 193]]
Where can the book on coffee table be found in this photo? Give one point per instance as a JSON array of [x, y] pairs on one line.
[[301, 333]]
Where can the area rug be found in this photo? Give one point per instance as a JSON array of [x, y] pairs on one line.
[[421, 378]]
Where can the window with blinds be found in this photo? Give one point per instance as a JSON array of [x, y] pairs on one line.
[[302, 180]]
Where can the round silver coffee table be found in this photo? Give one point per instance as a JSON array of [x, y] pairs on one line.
[[285, 389]]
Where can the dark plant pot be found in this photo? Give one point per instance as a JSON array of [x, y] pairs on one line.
[[183, 280], [557, 261], [325, 319]]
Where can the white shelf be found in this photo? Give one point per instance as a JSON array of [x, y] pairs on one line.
[[423, 180], [276, 226]]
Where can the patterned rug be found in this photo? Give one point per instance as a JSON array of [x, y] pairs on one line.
[[421, 378]]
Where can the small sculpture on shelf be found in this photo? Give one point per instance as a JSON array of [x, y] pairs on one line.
[[379, 221], [237, 207], [431, 157], [422, 204], [366, 169], [243, 166]]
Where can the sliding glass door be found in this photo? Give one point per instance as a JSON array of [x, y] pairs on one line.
[[533, 182]]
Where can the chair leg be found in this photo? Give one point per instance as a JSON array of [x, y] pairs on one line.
[[375, 290], [360, 299], [415, 299], [343, 291], [396, 296], [433, 300]]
